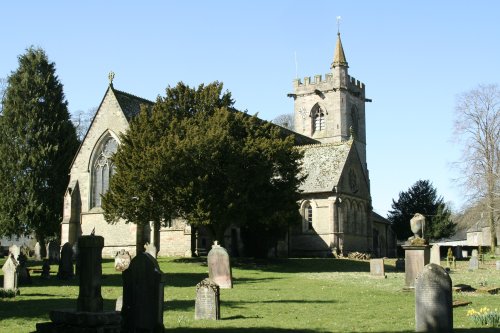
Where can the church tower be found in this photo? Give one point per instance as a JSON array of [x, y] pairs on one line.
[[332, 109]]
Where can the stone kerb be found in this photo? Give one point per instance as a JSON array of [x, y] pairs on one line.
[[207, 303], [377, 268], [219, 266], [433, 300], [143, 283]]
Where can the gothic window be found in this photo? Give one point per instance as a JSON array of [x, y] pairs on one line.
[[102, 170], [354, 121], [318, 118], [308, 217]]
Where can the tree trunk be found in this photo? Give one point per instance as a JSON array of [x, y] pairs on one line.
[[156, 235], [139, 239]]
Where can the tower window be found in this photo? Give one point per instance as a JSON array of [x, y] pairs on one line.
[[308, 215], [318, 120]]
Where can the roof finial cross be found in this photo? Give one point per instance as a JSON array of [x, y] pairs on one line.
[[338, 24], [111, 76]]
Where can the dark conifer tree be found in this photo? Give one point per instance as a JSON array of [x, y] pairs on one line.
[[421, 198], [37, 144]]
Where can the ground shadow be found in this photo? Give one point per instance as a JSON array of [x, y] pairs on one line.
[[272, 329], [303, 265]]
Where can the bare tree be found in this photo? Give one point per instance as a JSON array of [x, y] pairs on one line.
[[285, 120], [81, 120], [477, 127]]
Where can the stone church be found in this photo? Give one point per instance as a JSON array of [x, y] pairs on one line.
[[336, 206]]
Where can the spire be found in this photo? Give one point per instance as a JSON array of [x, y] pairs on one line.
[[339, 56]]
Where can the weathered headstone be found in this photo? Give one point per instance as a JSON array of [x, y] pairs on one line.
[[122, 260], [89, 255], [219, 266], [37, 253], [66, 263], [15, 250], [119, 303], [143, 284], [23, 275], [473, 263], [433, 300], [474, 253], [377, 268], [207, 304], [464, 254], [498, 265], [9, 269], [435, 254], [151, 249], [53, 252], [45, 269], [497, 251]]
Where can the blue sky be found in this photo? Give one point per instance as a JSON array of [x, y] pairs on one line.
[[413, 56]]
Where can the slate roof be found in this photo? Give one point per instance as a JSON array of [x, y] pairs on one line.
[[130, 104], [323, 164]]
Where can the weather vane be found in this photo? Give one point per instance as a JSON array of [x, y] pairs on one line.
[[338, 24], [111, 76]]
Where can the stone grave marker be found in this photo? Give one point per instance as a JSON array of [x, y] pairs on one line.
[[53, 252], [119, 303], [143, 284], [15, 250], [9, 269], [151, 249], [122, 260], [473, 263], [377, 268], [433, 300], [474, 253], [497, 251], [464, 254], [435, 254], [219, 266], [23, 275], [37, 252], [498, 265], [66, 263], [207, 304]]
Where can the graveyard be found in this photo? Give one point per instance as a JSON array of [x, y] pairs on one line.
[[274, 295]]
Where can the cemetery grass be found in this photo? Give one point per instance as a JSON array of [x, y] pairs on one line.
[[282, 295]]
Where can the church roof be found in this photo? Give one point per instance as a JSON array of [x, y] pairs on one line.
[[130, 104], [339, 56], [323, 164]]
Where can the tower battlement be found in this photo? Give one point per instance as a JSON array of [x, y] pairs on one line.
[[309, 86]]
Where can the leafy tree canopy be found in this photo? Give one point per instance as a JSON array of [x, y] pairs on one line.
[[37, 144], [193, 156], [421, 198]]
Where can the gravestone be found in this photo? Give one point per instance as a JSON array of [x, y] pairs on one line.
[[9, 269], [15, 250], [497, 251], [151, 249], [464, 254], [53, 252], [143, 284], [473, 263], [433, 300], [122, 260], [219, 266], [377, 268], [416, 257], [23, 275], [119, 303], [400, 265], [37, 252], [88, 316], [474, 253], [207, 304], [435, 254], [66, 263], [45, 269], [498, 265]]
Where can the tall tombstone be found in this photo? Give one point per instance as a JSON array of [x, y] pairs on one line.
[[66, 263], [37, 251], [23, 275], [53, 251], [377, 268], [436, 254], [122, 260], [207, 303], [417, 253], [433, 300], [473, 263], [89, 256], [143, 283], [15, 250], [9, 269], [219, 266]]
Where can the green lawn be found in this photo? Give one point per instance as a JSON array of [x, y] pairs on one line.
[[300, 295]]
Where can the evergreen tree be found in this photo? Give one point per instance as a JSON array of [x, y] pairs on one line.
[[37, 144], [421, 198], [193, 156]]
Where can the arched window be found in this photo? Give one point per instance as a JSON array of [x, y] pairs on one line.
[[318, 119], [354, 121], [102, 169], [309, 217]]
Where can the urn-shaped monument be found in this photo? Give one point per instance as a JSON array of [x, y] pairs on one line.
[[417, 224]]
